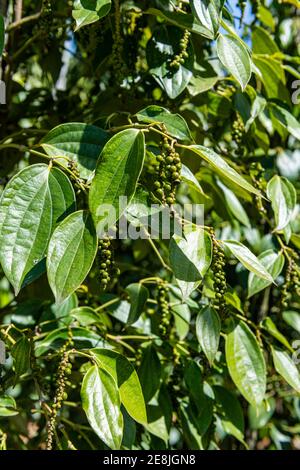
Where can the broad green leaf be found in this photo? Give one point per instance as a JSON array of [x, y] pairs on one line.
[[235, 207], [150, 382], [235, 57], [71, 253], [82, 337], [2, 34], [33, 202], [292, 318], [117, 172], [182, 318], [80, 142], [101, 403], [208, 14], [262, 42], [271, 73], [273, 263], [189, 427], [246, 363], [271, 328], [161, 49], [159, 414], [7, 406], [231, 412], [175, 124], [182, 20], [89, 11], [257, 108], [286, 119], [21, 356], [283, 197], [208, 328], [191, 180], [127, 380], [221, 167], [190, 255], [286, 368], [259, 416], [203, 79], [85, 316], [248, 259], [138, 295]]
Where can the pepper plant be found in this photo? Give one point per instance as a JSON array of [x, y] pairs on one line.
[[120, 110]]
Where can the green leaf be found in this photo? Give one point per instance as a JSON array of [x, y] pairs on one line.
[[271, 73], [286, 368], [33, 202], [292, 318], [208, 14], [85, 316], [101, 403], [175, 124], [286, 119], [190, 256], [248, 259], [89, 11], [161, 50], [2, 34], [283, 197], [80, 142], [182, 20], [116, 176], [208, 328], [221, 167], [235, 207], [191, 180], [259, 416], [273, 263], [231, 412], [138, 295], [235, 57], [272, 329], [203, 79], [246, 363], [71, 253], [21, 356], [182, 318], [127, 380], [7, 406], [262, 42], [82, 337], [150, 373]]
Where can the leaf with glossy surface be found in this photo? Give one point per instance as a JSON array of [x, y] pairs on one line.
[[191, 180], [286, 368], [101, 403], [85, 316], [287, 120], [208, 328], [221, 167], [246, 363], [235, 57], [190, 256], [89, 11], [127, 380], [248, 259], [8, 406], [273, 263], [32, 204], [161, 49], [71, 253], [292, 318], [138, 295], [175, 124], [208, 14], [80, 142], [283, 197], [117, 174]]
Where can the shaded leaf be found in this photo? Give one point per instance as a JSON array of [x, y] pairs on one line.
[[138, 295], [208, 327], [89, 11]]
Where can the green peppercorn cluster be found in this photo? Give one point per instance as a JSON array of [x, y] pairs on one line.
[[119, 68], [238, 130], [106, 262], [218, 263], [169, 172], [291, 282], [64, 369], [182, 55], [163, 308]]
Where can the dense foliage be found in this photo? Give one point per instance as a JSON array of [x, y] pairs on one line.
[[149, 342]]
